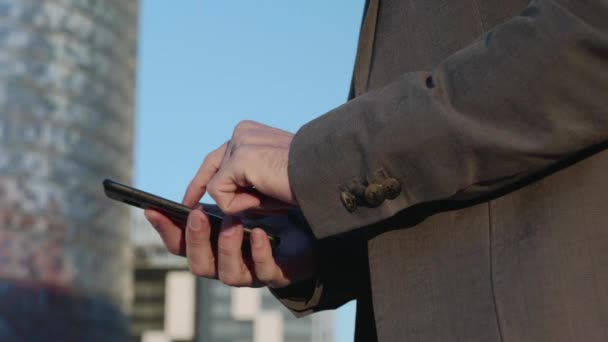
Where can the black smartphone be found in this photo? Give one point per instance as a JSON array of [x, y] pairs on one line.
[[176, 212]]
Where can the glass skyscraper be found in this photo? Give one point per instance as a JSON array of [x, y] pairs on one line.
[[67, 74]]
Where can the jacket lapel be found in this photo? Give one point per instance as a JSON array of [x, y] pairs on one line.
[[365, 49]]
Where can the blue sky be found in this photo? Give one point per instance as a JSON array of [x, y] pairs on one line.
[[206, 65]]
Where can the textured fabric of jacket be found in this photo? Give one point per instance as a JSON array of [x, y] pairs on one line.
[[493, 117]]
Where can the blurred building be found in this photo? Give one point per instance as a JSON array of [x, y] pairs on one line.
[[156, 289], [226, 314], [172, 305], [67, 81]]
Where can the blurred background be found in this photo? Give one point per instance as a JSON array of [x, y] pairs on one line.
[[140, 92]]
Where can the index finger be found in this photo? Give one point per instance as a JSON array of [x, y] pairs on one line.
[[198, 185]]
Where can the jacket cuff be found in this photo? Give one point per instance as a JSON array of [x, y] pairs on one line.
[[332, 165], [301, 298], [487, 118], [342, 274]]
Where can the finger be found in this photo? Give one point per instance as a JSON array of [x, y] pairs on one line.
[[197, 187], [265, 267], [231, 182], [231, 187], [172, 235], [231, 269], [198, 246]]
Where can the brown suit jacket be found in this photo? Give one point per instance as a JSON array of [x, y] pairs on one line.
[[492, 115]]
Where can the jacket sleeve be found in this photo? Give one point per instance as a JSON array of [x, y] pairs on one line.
[[527, 95]]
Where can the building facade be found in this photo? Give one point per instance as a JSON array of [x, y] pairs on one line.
[[226, 314], [67, 81]]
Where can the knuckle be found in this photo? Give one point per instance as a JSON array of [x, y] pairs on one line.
[[224, 250], [196, 239], [245, 124], [240, 141], [264, 276], [263, 268], [245, 154], [192, 238], [243, 150], [264, 272], [260, 260], [175, 250], [230, 279], [200, 270]]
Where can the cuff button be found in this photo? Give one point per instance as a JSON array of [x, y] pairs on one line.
[[392, 188], [375, 194], [348, 201]]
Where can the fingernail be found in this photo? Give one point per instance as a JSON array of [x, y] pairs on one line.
[[257, 239], [194, 222]]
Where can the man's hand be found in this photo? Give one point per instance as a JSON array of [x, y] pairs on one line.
[[248, 172], [292, 261]]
